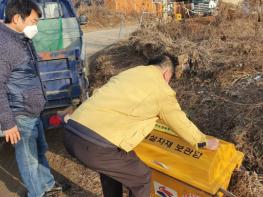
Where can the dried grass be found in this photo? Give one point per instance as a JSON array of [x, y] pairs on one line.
[[247, 184], [101, 17]]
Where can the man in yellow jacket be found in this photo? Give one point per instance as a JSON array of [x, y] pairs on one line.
[[105, 129]]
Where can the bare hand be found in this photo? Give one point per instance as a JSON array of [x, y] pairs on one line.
[[212, 144], [12, 135]]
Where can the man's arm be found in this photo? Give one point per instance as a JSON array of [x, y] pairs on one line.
[[175, 118], [7, 120]]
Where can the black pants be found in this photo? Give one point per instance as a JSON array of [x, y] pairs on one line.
[[116, 167]]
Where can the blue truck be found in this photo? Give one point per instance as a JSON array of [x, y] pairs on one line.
[[61, 57]]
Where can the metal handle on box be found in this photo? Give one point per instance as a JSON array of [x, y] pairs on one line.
[[226, 193]]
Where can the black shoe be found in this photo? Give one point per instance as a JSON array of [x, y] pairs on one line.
[[54, 191], [52, 194], [65, 186]]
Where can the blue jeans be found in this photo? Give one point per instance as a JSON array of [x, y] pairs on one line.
[[30, 156]]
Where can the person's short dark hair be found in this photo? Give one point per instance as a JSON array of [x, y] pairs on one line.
[[164, 61], [157, 60], [21, 7]]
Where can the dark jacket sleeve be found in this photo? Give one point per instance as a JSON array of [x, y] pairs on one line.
[[7, 120]]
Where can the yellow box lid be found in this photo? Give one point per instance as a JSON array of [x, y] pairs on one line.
[[204, 169]]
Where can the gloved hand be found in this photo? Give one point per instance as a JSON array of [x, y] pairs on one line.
[[66, 118], [212, 144]]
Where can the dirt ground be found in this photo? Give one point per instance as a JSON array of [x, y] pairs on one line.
[[220, 86]]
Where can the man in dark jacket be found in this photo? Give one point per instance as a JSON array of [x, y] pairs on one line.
[[22, 97]]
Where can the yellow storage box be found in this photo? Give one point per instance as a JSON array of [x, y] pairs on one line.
[[181, 171]]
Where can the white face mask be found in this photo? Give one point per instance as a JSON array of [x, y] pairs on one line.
[[30, 31]]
